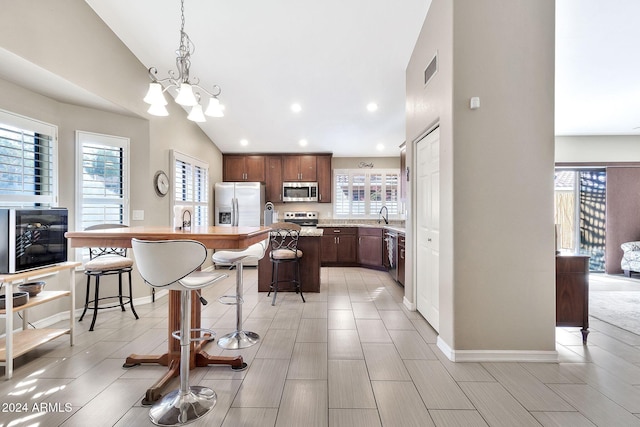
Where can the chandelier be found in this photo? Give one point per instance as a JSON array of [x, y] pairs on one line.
[[188, 88]]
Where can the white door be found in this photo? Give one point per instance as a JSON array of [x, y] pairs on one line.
[[428, 227]]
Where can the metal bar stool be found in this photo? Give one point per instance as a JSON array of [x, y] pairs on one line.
[[174, 264], [238, 338], [284, 248], [107, 262]]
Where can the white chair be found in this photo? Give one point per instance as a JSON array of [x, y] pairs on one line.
[[238, 338], [173, 265]]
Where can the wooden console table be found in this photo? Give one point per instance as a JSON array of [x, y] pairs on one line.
[[214, 237], [15, 344], [572, 292]]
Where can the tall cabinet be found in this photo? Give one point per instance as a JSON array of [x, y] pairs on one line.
[[572, 292]]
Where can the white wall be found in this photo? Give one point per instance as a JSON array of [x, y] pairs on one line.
[[497, 267], [597, 149]]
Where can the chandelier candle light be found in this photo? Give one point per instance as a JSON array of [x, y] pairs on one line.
[[185, 86]]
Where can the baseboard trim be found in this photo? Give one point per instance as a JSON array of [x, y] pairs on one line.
[[496, 355], [410, 306]]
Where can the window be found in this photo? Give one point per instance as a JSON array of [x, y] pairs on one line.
[[102, 179], [361, 194], [580, 213], [28, 162], [191, 187]]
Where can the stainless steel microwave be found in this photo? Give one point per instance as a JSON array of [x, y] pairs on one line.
[[299, 191]]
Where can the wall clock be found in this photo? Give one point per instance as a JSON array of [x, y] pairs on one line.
[[161, 183]]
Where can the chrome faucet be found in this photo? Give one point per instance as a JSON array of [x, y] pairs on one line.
[[385, 217]]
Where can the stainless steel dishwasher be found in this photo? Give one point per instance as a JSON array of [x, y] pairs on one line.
[[391, 238]]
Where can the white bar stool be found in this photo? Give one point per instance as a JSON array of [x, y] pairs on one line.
[[173, 264], [238, 338]]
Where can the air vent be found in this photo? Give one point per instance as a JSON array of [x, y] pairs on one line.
[[431, 69]]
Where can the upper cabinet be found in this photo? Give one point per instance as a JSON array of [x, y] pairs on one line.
[[274, 169], [250, 168], [274, 179], [323, 166], [299, 168]]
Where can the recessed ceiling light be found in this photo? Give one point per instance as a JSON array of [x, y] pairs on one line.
[[379, 147], [296, 108], [244, 142], [372, 106], [303, 142]]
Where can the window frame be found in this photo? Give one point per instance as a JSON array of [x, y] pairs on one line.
[[113, 141], [34, 126], [176, 156], [368, 215]]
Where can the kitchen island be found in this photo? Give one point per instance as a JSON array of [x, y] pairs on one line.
[[309, 244]]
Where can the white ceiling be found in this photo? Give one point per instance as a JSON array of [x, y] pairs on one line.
[[597, 67], [335, 56]]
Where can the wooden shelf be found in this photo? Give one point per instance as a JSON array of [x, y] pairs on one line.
[[24, 341], [41, 298], [16, 343], [25, 275]]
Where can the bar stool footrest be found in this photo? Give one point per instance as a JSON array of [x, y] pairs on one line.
[[206, 334], [231, 300]]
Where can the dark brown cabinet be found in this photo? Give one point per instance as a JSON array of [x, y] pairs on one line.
[[339, 246], [401, 258], [309, 267], [370, 247], [323, 169], [299, 168], [250, 168], [274, 179], [572, 292]]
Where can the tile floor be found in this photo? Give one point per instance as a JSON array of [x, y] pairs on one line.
[[351, 356]]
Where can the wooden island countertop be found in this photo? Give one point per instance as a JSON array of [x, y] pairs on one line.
[[217, 237]]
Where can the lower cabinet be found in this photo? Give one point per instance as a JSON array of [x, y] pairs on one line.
[[339, 246], [401, 257], [572, 292], [370, 247]]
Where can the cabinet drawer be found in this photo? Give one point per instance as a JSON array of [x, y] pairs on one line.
[[370, 231], [339, 230], [401, 240]]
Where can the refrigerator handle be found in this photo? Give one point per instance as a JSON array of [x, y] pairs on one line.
[[234, 216]]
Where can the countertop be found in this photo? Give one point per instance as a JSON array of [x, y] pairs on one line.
[[392, 227]]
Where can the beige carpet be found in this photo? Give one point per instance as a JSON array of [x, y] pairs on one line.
[[615, 300]]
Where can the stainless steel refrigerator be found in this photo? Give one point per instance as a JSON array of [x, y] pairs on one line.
[[239, 203]]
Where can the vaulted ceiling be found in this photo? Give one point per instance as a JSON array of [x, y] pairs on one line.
[[335, 57]]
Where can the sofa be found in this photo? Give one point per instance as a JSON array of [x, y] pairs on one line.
[[630, 262]]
